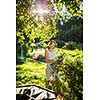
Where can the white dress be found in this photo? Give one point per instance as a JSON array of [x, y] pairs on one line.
[[51, 74]]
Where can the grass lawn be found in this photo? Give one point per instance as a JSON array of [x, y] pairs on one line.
[[31, 72]]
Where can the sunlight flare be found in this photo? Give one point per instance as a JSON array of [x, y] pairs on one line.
[[40, 8]]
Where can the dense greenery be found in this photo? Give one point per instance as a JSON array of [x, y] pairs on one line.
[[72, 30], [64, 23], [70, 65], [31, 26]]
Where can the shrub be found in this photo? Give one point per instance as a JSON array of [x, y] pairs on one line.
[[72, 45], [71, 70]]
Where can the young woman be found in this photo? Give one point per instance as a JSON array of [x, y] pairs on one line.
[[51, 72]]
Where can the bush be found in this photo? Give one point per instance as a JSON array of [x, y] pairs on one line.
[[71, 70], [72, 45]]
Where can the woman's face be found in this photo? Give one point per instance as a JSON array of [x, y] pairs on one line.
[[52, 45]]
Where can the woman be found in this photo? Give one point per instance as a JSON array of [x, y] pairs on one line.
[[51, 72]]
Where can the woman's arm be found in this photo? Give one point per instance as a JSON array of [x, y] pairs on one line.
[[46, 57]]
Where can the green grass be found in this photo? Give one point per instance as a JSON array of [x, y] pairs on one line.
[[30, 73]]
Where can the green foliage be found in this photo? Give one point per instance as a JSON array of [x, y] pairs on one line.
[[70, 65], [72, 6], [72, 30], [30, 73], [72, 45], [28, 27], [44, 27]]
